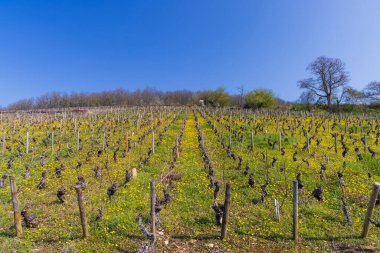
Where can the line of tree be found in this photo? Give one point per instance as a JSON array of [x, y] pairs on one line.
[[329, 85], [217, 98]]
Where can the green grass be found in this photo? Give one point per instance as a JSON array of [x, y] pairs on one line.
[[188, 221]]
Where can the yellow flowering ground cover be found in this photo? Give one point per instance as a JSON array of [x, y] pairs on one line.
[[119, 139]]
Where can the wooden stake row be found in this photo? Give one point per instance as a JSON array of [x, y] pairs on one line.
[[84, 223]]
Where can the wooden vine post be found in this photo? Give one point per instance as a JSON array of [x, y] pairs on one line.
[[226, 211], [277, 210], [82, 212], [152, 141], [152, 209], [295, 210], [371, 205], [52, 143], [27, 143], [177, 147], [277, 124], [3, 148], [252, 143], [104, 141], [16, 209], [127, 142], [78, 139]]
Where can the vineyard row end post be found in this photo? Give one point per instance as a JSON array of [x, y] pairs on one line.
[[16, 208], [295, 210], [371, 205], [226, 211], [82, 212], [152, 209]]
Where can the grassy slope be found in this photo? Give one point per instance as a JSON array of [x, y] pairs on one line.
[[188, 221]]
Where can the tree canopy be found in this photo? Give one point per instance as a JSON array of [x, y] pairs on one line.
[[260, 98], [216, 98], [328, 79]]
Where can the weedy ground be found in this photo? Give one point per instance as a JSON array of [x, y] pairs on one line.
[[188, 222]]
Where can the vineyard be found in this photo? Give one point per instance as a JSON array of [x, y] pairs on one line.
[[154, 179]]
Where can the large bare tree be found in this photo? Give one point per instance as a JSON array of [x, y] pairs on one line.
[[328, 79]]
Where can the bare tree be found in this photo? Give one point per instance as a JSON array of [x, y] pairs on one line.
[[120, 97], [328, 78], [241, 95], [372, 91], [353, 96], [307, 97]]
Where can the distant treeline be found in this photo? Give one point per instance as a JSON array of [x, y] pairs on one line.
[[119, 97], [146, 97], [327, 88]]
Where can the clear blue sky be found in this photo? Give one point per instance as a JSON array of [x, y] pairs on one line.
[[94, 45]]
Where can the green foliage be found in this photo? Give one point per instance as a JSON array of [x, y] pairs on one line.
[[216, 98], [260, 98], [353, 96], [342, 108]]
